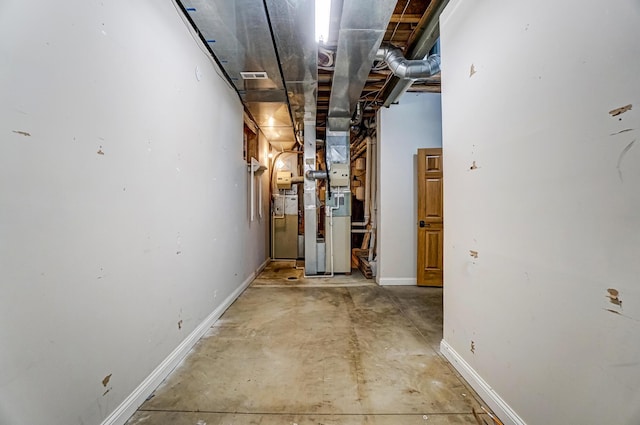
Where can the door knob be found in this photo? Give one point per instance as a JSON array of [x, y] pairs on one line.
[[423, 224]]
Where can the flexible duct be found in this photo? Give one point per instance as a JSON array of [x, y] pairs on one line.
[[419, 45], [408, 69]]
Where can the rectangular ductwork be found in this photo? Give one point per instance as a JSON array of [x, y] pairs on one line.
[[269, 55], [362, 29]]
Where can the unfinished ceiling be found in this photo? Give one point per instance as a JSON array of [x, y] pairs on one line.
[[267, 50], [412, 27]]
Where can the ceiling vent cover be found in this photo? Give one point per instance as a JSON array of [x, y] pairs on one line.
[[260, 75]]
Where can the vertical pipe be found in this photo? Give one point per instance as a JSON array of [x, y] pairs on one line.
[[253, 177], [373, 150], [260, 197], [310, 206], [367, 181]]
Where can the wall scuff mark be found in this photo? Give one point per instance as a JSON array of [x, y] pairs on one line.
[[613, 296], [100, 152], [473, 347], [179, 324], [621, 157], [473, 166], [620, 110], [106, 380], [472, 71], [473, 253], [610, 310], [22, 133], [621, 131]]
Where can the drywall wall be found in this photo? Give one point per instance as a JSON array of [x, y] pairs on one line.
[[123, 209], [413, 123], [541, 180]]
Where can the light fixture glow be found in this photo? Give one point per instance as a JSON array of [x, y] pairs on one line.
[[323, 14]]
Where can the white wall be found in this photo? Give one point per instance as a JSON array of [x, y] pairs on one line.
[[122, 205], [551, 209], [413, 123]]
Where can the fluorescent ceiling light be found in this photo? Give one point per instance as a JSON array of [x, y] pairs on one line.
[[323, 13]]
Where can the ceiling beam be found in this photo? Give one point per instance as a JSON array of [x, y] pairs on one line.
[[407, 18]]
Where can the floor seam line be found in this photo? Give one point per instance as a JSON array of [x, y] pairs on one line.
[[304, 413]]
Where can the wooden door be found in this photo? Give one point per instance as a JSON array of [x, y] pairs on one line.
[[430, 217]]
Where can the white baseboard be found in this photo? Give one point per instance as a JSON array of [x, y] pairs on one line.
[[484, 390], [128, 407], [262, 267], [397, 281]]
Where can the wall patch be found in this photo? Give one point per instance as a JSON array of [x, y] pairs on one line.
[[620, 110], [614, 297]]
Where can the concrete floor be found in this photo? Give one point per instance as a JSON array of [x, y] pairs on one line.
[[316, 351]]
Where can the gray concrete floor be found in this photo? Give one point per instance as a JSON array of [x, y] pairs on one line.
[[318, 351]]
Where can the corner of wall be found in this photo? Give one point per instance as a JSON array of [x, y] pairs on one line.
[[416, 122], [484, 390], [138, 396]]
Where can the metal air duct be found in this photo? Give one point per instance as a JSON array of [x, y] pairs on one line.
[[420, 43], [362, 29], [408, 69]]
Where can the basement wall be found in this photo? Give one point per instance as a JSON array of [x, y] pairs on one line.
[[124, 218], [414, 122], [541, 136]]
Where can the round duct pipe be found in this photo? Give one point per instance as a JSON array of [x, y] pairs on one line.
[[316, 174]]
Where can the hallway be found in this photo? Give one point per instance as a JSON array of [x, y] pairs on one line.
[[317, 351]]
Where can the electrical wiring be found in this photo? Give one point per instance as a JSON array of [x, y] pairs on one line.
[[400, 20]]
